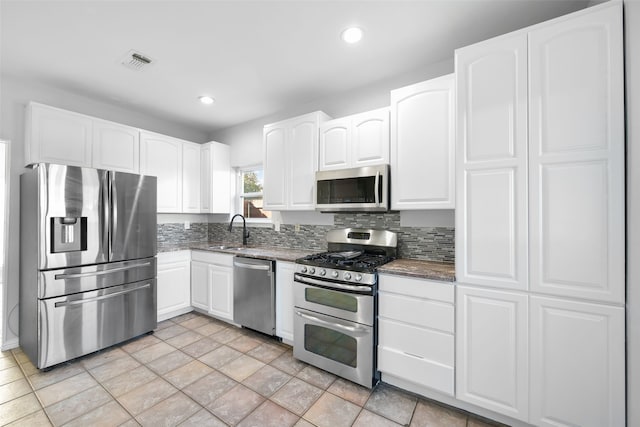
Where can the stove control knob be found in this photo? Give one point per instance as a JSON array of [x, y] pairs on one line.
[[358, 277], [334, 274], [312, 270], [303, 269], [347, 276], [322, 272]]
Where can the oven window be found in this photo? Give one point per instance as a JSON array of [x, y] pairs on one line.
[[338, 300], [347, 190], [331, 344]]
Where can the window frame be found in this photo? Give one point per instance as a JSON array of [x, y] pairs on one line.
[[240, 195]]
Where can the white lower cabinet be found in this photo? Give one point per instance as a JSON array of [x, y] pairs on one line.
[[173, 278], [577, 363], [416, 333], [284, 300], [212, 283], [492, 350]]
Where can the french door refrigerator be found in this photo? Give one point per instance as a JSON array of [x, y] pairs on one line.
[[87, 260]]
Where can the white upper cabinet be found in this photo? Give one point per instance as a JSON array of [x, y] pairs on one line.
[[491, 152], [191, 163], [370, 138], [161, 156], [576, 150], [354, 141], [290, 158], [64, 137], [492, 350], [215, 173], [57, 136], [334, 144], [423, 145], [115, 147], [577, 363], [303, 161], [275, 170]]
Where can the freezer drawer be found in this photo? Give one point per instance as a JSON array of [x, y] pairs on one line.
[[75, 325], [66, 281]]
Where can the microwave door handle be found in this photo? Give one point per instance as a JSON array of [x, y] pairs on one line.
[[376, 186]]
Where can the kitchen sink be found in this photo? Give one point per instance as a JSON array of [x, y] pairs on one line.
[[224, 247]]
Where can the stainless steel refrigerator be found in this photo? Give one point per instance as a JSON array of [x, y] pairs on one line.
[[87, 260]]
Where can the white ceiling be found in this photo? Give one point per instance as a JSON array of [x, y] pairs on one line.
[[254, 57]]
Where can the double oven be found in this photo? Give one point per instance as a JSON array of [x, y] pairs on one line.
[[335, 298]]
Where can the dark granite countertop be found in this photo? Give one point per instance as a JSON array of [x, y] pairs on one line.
[[433, 270], [263, 252]]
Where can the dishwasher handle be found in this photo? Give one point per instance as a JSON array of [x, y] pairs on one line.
[[262, 267]]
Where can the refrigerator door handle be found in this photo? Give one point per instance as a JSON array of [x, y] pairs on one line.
[[113, 206], [104, 213], [98, 273], [101, 297]]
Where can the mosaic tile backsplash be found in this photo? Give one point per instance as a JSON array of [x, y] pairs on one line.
[[425, 243]]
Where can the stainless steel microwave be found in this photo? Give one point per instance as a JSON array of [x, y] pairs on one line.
[[364, 189]]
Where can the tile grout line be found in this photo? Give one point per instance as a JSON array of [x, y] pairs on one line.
[[33, 390]]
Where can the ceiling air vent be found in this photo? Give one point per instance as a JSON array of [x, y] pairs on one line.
[[136, 60]]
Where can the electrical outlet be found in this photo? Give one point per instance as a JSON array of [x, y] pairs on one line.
[[187, 225], [276, 226], [297, 228]]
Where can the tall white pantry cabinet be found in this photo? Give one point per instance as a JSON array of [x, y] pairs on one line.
[[540, 222]]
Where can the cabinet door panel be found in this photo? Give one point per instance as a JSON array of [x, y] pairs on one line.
[[190, 178], [161, 156], [577, 363], [491, 164], [173, 281], [577, 93], [492, 99], [422, 145], [334, 144], [199, 285], [221, 288], [275, 162], [370, 138], [58, 136], [284, 300], [491, 350], [577, 157], [116, 147], [492, 232], [303, 148], [206, 180]]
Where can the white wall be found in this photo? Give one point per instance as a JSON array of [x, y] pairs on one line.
[[15, 94], [246, 139], [632, 65]]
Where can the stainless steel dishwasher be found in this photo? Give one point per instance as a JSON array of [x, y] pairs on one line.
[[254, 294]]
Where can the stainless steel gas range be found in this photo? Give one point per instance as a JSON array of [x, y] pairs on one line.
[[335, 296]]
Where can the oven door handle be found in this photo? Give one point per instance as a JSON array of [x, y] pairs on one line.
[[333, 325], [310, 281]]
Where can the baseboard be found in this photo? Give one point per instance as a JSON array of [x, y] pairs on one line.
[[9, 344]]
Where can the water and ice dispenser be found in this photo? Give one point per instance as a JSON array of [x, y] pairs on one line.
[[68, 234]]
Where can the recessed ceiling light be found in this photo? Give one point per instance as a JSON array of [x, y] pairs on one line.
[[352, 35], [206, 100]]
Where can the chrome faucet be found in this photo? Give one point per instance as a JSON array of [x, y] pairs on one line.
[[245, 233]]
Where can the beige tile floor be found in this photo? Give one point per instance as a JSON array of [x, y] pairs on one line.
[[197, 371]]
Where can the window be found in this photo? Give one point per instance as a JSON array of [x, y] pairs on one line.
[[250, 181]]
